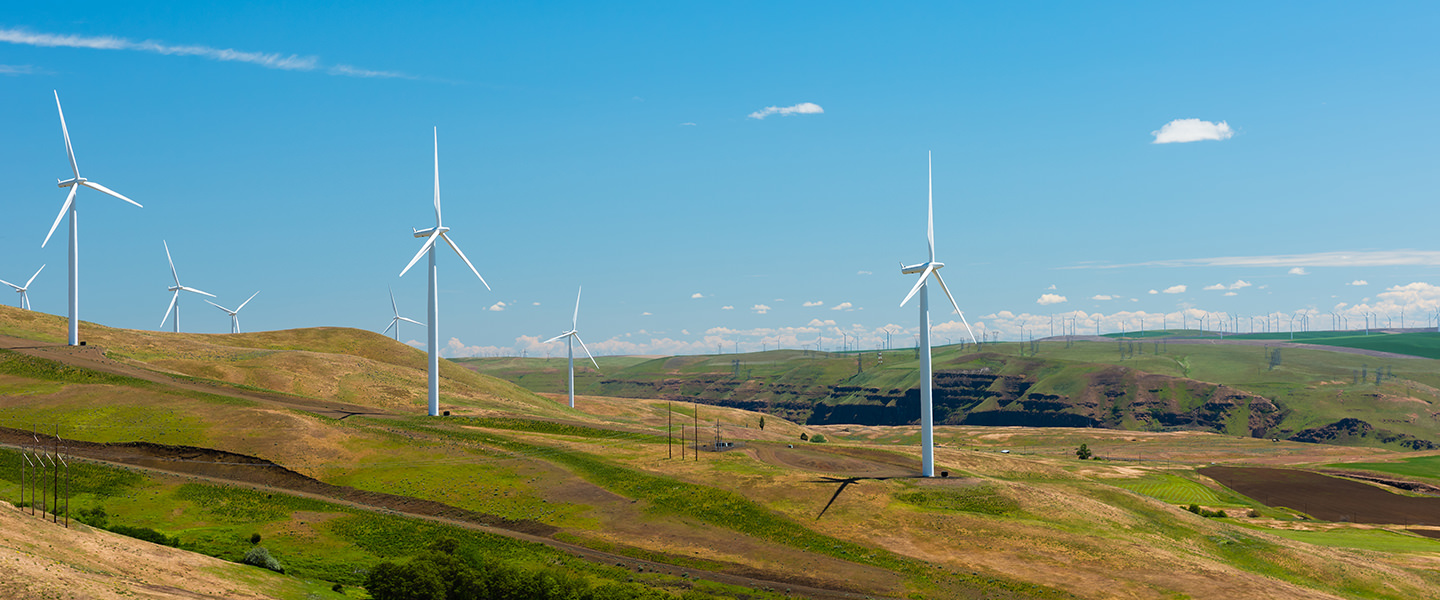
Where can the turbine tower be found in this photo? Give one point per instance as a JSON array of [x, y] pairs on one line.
[[23, 289], [395, 322], [70, 207], [570, 338], [177, 288], [927, 412], [234, 314], [434, 233]]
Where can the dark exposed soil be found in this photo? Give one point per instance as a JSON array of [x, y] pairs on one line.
[[1327, 498]]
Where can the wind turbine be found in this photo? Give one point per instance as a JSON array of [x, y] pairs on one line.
[[234, 318], [177, 288], [70, 207], [22, 289], [570, 338], [434, 233], [395, 322], [927, 413]]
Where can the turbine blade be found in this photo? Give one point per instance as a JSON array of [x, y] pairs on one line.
[[467, 260], [247, 300], [70, 151], [173, 299], [190, 289], [930, 207], [575, 320], [437, 177], [918, 284], [17, 288], [957, 306], [587, 351], [172, 263], [392, 301], [409, 320], [391, 326], [423, 249], [95, 186], [69, 200], [217, 306], [32, 277], [557, 338]]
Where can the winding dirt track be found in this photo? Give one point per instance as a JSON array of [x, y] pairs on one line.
[[227, 468]]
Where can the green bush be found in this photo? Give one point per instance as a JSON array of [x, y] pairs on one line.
[[818, 438], [260, 557], [145, 533]]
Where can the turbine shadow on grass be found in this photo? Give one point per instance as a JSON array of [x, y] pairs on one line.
[[846, 482]]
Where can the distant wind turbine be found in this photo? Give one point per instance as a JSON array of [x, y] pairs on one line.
[[434, 233], [927, 412], [71, 208], [234, 314], [570, 338], [23, 290], [177, 288], [395, 322]]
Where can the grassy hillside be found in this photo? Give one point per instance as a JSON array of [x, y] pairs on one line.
[[777, 517], [1273, 390]]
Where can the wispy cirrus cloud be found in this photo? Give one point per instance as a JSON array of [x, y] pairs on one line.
[[1368, 258], [1180, 131], [803, 108], [18, 70], [269, 60]]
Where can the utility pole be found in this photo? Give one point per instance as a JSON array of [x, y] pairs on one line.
[[697, 432], [669, 429]]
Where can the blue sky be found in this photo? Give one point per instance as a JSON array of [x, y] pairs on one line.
[[286, 148]]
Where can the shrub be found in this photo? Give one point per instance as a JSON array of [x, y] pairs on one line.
[[254, 538], [818, 438], [145, 533], [804, 436], [1083, 452], [260, 557]]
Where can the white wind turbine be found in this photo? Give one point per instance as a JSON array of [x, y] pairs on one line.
[[177, 288], [395, 322], [71, 209], [570, 338], [437, 232], [23, 289], [234, 314], [927, 413]]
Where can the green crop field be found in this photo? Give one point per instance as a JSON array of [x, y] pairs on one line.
[[1172, 489], [1421, 467]]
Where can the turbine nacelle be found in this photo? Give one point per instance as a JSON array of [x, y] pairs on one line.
[[69, 182], [429, 231], [912, 269]]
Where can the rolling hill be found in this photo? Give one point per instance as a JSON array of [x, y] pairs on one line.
[[308, 441]]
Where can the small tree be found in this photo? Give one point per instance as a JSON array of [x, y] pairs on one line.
[[762, 422], [817, 438], [804, 436], [1083, 452], [260, 557]]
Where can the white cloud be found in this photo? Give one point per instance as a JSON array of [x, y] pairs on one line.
[[864, 273], [1218, 286], [1174, 289], [1359, 282], [697, 295], [534, 304], [17, 70], [727, 307], [760, 309], [1379, 258], [815, 303], [496, 307], [1240, 284], [269, 60], [1191, 130], [1232, 294], [1103, 297], [1052, 286], [645, 314], [842, 306], [687, 124], [1153, 292], [803, 108], [1299, 271], [819, 323], [1048, 299]]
